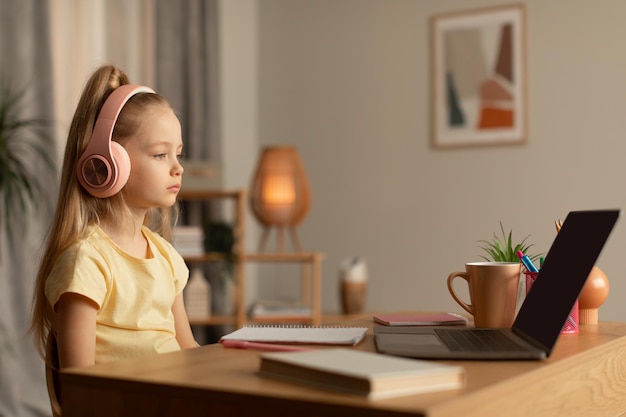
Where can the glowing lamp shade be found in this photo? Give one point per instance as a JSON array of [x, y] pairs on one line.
[[280, 196]]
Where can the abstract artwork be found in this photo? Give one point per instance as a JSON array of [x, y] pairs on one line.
[[479, 77]]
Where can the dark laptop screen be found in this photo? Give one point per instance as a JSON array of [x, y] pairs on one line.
[[563, 274]]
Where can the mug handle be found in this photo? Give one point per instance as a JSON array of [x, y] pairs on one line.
[[467, 307]]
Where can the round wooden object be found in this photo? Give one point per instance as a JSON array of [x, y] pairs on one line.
[[592, 296]]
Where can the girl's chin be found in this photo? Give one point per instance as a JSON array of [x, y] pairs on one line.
[[166, 203]]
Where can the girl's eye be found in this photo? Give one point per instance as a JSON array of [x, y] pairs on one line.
[[160, 156]]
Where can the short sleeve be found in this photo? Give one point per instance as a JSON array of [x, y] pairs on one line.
[[78, 270], [181, 271]]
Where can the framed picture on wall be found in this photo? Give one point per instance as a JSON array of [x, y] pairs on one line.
[[479, 77]]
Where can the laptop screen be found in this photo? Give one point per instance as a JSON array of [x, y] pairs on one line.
[[563, 274]]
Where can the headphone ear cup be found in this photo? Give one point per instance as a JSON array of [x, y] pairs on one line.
[[122, 162], [104, 167]]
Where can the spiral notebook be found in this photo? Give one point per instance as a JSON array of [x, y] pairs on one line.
[[298, 334]]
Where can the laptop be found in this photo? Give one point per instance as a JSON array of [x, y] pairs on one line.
[[542, 315]]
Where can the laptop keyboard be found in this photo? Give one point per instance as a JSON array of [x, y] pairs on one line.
[[476, 340]]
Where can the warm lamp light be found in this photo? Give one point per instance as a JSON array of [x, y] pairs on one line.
[[280, 196]]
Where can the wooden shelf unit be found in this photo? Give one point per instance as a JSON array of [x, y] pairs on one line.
[[311, 283], [310, 261], [238, 197]]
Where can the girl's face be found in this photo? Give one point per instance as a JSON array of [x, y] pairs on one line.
[[155, 169]]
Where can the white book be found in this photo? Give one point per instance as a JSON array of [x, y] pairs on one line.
[[368, 374]]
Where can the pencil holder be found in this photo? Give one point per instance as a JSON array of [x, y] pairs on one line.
[[571, 324]]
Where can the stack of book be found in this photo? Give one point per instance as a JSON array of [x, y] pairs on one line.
[[188, 240]]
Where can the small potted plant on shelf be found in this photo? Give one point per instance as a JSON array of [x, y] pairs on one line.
[[219, 237], [502, 249]]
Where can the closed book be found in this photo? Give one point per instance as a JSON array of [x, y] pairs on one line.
[[436, 319], [368, 374]]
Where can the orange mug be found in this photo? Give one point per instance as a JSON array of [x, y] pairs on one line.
[[493, 289]]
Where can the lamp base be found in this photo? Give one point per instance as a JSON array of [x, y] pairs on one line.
[[280, 235], [588, 316]]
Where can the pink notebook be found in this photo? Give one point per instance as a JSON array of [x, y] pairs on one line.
[[436, 319]]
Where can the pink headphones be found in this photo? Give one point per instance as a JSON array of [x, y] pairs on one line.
[[104, 167]]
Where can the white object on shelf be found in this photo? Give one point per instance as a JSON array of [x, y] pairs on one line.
[[353, 270], [198, 296]]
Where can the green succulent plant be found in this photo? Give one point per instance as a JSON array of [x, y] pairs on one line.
[[219, 237], [502, 249]]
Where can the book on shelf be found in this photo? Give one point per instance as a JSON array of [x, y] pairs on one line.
[[427, 319], [278, 310], [298, 334], [368, 374], [188, 240]]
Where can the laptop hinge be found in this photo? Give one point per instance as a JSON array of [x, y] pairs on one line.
[[531, 340]]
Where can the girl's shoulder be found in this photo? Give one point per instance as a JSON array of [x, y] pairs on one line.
[[92, 246]]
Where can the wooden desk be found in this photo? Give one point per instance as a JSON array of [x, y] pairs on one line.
[[586, 375]]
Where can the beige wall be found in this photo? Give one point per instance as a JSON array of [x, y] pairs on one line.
[[347, 82]]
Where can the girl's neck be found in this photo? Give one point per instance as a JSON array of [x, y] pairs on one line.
[[128, 236]]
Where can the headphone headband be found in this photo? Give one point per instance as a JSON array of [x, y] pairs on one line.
[[104, 166]]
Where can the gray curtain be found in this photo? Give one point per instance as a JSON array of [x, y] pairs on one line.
[[187, 70], [26, 62], [187, 74]]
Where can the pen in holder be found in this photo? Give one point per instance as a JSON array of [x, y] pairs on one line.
[[571, 324]]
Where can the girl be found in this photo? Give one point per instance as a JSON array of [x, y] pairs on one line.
[[109, 285]]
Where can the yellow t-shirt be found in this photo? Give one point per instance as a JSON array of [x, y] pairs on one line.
[[134, 296]]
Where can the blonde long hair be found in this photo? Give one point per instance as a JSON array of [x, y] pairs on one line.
[[76, 209]]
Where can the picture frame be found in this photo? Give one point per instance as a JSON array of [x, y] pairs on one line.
[[479, 77]]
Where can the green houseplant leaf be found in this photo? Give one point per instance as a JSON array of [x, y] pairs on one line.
[[502, 249], [25, 147], [219, 237]]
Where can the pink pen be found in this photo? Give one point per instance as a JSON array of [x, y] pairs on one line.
[[244, 344], [530, 266]]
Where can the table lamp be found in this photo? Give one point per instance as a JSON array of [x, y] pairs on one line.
[[280, 196]]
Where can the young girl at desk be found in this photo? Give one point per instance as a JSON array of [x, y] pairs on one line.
[[110, 285]]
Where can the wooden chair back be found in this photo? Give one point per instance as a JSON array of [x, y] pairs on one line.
[[53, 381]]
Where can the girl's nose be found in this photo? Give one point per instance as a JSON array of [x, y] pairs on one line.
[[178, 168]]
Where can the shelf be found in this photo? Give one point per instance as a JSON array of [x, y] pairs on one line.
[[215, 320], [207, 257], [326, 319], [310, 262], [282, 256], [311, 291], [258, 257], [210, 194], [238, 197]]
